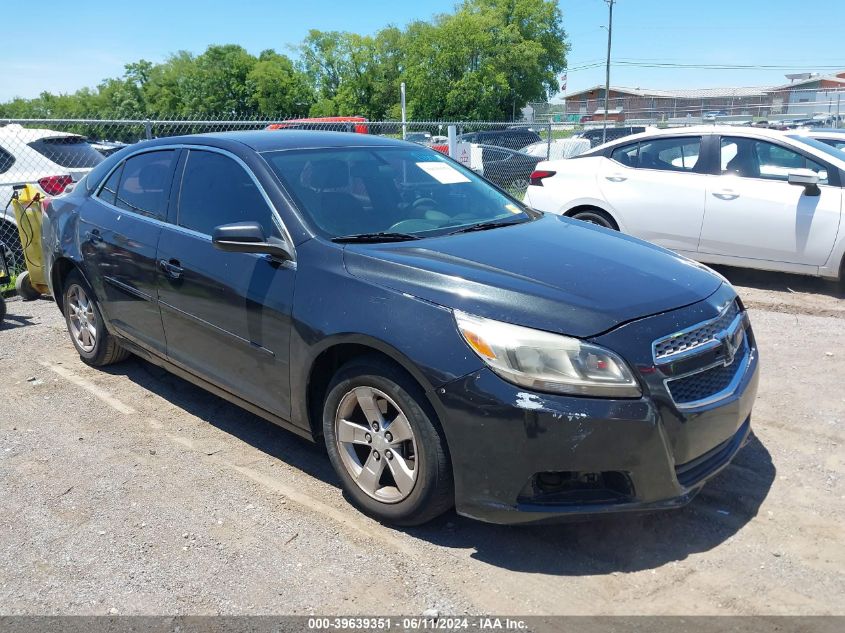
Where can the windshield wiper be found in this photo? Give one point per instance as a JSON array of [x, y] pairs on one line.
[[492, 224], [381, 236]]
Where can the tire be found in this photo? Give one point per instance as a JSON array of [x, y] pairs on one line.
[[96, 346], [596, 216], [25, 289], [405, 481], [2, 310]]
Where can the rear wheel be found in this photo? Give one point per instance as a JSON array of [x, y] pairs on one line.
[[95, 345], [596, 216], [385, 444]]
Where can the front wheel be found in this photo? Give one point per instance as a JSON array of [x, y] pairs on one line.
[[385, 444]]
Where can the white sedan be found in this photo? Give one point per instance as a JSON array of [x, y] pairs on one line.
[[746, 197]]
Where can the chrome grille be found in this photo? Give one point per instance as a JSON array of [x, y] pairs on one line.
[[695, 336], [708, 383]]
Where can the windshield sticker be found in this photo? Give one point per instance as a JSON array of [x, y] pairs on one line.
[[513, 208], [443, 173]]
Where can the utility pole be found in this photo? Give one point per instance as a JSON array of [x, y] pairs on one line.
[[607, 69]]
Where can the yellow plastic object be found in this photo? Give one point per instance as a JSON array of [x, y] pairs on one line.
[[28, 213]]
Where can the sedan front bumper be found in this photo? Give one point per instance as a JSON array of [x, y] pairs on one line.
[[522, 457]]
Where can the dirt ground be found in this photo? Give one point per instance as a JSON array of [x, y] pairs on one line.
[[130, 491]]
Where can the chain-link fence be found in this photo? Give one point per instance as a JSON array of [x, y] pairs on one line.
[[50, 154], [819, 101]]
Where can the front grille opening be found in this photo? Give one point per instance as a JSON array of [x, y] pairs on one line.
[[707, 383], [572, 487], [697, 336]]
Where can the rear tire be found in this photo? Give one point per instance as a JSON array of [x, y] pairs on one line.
[[96, 346], [596, 216], [26, 291], [399, 471]]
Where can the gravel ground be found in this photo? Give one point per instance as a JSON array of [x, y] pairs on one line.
[[130, 491]]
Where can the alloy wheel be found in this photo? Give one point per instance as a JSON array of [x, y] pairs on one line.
[[376, 444], [81, 319]]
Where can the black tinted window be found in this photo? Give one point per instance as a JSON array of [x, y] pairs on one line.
[[626, 154], [6, 160], [216, 190], [68, 151], [145, 183], [109, 191]]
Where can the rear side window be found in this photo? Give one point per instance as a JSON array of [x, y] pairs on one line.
[[145, 183], [216, 190], [68, 151], [109, 191], [626, 154], [664, 154], [6, 161]]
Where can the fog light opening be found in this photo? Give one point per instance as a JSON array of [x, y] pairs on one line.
[[574, 487]]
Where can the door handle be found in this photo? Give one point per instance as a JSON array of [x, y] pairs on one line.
[[616, 178], [94, 235], [726, 195], [171, 268]]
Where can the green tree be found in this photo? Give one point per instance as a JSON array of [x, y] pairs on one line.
[[278, 88]]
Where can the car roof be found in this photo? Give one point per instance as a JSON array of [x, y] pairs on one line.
[[727, 130], [822, 131], [273, 140], [27, 135]]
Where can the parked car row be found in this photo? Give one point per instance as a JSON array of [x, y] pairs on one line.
[[741, 196]]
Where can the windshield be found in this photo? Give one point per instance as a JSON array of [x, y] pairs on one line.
[[365, 190], [838, 154]]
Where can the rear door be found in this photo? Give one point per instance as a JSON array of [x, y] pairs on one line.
[[657, 188], [754, 213], [226, 315], [119, 229]]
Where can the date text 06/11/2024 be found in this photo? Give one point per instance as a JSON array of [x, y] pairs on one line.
[[422, 623]]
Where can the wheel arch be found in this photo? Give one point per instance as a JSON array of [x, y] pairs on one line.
[[61, 268], [336, 352], [593, 207]]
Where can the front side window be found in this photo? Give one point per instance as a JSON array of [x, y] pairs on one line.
[[417, 191], [145, 183], [216, 190], [750, 158]]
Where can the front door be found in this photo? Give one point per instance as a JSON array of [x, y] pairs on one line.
[[657, 186], [754, 213], [119, 230], [226, 315]]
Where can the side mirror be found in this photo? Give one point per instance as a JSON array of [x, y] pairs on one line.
[[248, 237], [806, 178]]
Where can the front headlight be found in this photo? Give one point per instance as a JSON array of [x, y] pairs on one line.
[[542, 361]]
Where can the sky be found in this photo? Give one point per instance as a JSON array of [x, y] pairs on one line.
[[72, 45]]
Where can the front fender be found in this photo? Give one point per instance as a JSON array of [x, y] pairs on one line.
[[331, 308]]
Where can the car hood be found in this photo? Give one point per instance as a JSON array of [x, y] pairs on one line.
[[552, 274]]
